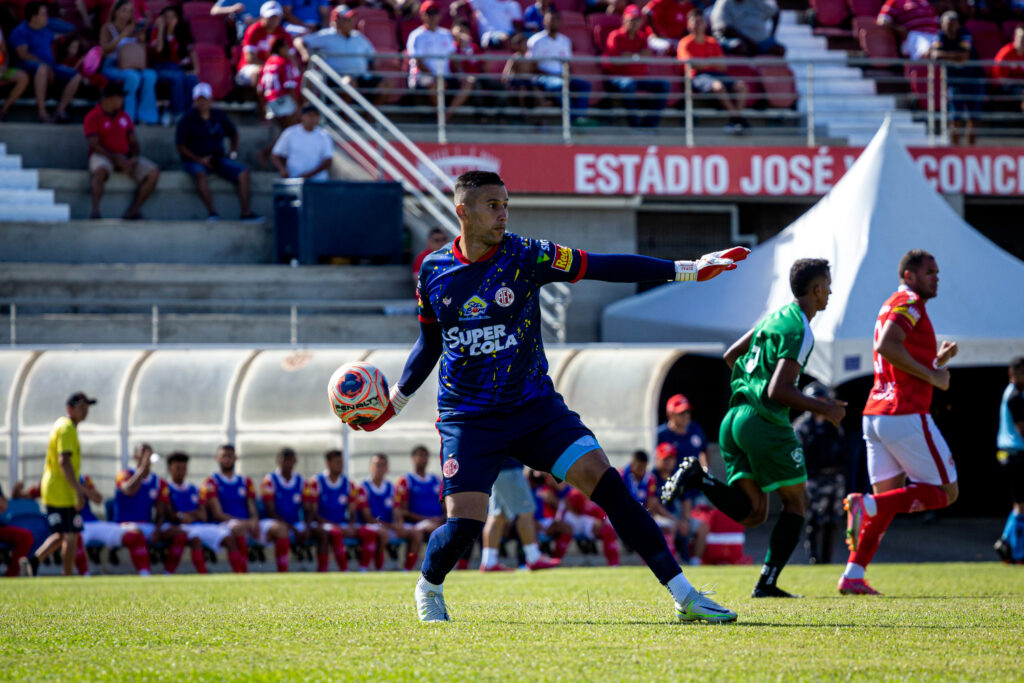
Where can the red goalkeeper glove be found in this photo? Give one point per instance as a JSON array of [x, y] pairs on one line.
[[710, 265], [395, 404]]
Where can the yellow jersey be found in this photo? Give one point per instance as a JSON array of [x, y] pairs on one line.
[[55, 489]]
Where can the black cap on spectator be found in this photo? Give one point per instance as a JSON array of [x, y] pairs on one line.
[[309, 109], [78, 397], [113, 89]]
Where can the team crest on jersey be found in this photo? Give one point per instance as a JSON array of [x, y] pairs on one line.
[[446, 301], [563, 258], [474, 309], [797, 455], [504, 297], [450, 467]]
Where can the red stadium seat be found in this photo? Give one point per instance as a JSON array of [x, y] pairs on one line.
[[582, 41], [210, 30], [830, 12], [986, 36], [373, 13], [215, 69], [190, 10], [671, 70], [571, 19], [155, 7], [750, 76], [563, 6], [601, 25], [917, 79], [496, 66], [864, 8], [778, 84], [878, 42], [380, 33], [406, 27]]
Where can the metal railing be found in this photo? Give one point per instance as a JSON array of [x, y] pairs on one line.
[[796, 101], [345, 111]]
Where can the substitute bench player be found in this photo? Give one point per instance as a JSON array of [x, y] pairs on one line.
[[479, 313]]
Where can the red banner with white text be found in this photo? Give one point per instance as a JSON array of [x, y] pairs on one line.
[[716, 171]]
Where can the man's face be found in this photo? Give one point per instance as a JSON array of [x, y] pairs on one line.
[[552, 22], [310, 120], [113, 103], [923, 280], [344, 25], [431, 18], [461, 34], [272, 23], [638, 468], [821, 288], [335, 465], [286, 463], [203, 106], [1017, 378], [226, 459], [41, 18], [78, 411], [378, 468], [666, 466], [1018, 39], [950, 26], [420, 460], [484, 214], [436, 240], [632, 24], [178, 471], [695, 24], [679, 421]]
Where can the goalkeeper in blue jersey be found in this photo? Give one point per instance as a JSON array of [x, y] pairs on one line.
[[479, 312]]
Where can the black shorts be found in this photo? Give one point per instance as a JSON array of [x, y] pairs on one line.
[[64, 520], [1014, 464]]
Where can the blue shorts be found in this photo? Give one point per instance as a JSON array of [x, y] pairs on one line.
[[543, 434], [226, 168], [61, 73]]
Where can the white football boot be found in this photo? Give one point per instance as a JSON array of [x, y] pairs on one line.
[[430, 603], [697, 606]]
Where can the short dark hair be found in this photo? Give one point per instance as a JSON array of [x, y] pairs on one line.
[[551, 9], [1017, 363], [226, 447], [276, 43], [32, 8], [436, 230], [285, 452], [474, 180], [804, 272], [310, 109], [417, 449], [113, 89], [640, 456], [382, 456], [176, 456], [912, 260], [332, 453]]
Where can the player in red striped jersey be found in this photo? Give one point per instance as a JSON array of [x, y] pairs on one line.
[[902, 440]]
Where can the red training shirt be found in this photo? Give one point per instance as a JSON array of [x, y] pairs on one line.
[[913, 15], [668, 17], [689, 49], [257, 36], [1006, 69], [112, 129], [618, 44]]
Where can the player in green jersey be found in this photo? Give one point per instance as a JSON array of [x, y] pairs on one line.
[[760, 450]]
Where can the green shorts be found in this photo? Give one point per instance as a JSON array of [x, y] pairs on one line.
[[753, 448]]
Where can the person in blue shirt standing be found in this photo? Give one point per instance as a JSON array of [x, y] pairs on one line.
[[479, 314], [1010, 441]]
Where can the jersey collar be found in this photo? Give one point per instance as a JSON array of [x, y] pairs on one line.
[[462, 257]]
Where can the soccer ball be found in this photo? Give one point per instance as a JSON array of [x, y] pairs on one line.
[[358, 393]]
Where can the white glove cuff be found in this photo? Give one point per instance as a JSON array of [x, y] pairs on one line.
[[686, 271], [398, 399]]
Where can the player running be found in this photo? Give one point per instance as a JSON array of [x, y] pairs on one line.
[[479, 313], [903, 442], [760, 451]]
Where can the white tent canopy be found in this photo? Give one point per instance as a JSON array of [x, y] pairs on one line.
[[879, 210]]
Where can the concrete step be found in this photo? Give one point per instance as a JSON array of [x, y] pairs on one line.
[[344, 328], [118, 241], [10, 161], [175, 197], [3, 148], [26, 197], [33, 212], [19, 179], [155, 282]]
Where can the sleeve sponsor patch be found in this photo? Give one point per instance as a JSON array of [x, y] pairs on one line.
[[911, 313], [563, 258]]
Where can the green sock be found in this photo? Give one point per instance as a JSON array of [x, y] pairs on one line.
[[784, 539]]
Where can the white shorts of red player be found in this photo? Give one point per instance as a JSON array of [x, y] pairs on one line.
[[907, 444], [582, 525], [107, 534], [265, 526], [210, 535]]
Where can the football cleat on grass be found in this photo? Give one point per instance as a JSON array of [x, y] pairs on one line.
[[497, 568], [543, 562], [772, 592], [430, 604], [855, 587], [697, 606], [685, 478], [1004, 551], [856, 515]]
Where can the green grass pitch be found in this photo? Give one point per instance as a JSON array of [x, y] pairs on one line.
[[936, 621]]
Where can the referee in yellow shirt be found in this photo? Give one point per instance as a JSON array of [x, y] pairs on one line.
[[61, 489]]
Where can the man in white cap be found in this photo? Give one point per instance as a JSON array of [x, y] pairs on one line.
[[256, 43], [200, 141]]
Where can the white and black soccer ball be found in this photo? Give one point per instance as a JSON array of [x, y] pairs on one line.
[[358, 393]]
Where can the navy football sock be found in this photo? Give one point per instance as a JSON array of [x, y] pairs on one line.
[[446, 546], [634, 524]]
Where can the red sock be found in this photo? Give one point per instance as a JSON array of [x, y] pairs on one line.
[[81, 563], [239, 558], [322, 560], [378, 558], [367, 546], [281, 549], [199, 561], [462, 563], [175, 552], [338, 547], [21, 543], [410, 560], [911, 498], [610, 545], [561, 545], [136, 544]]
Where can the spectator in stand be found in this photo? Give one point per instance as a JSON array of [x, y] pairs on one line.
[[747, 27], [345, 49], [10, 76], [668, 22], [304, 150], [61, 487], [434, 40], [278, 87], [517, 77], [199, 138], [281, 492], [710, 78], [32, 44], [256, 43], [171, 47], [630, 40], [436, 239], [533, 17], [914, 23], [19, 539], [122, 39], [496, 20], [965, 84], [114, 147], [549, 49], [306, 16], [243, 14], [1009, 71]]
